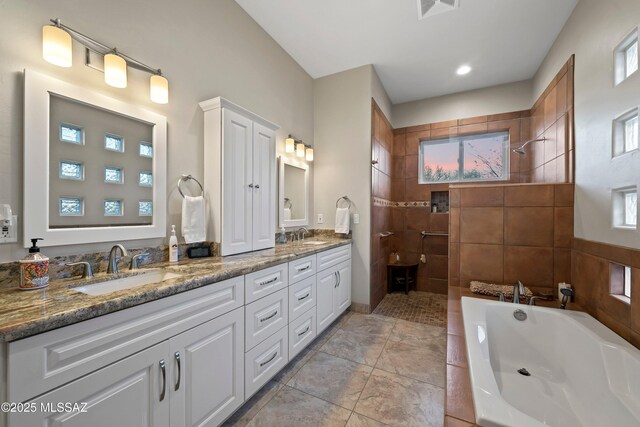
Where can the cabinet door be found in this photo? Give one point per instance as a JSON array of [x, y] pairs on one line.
[[343, 291], [237, 183], [325, 300], [264, 190], [125, 393], [207, 371]]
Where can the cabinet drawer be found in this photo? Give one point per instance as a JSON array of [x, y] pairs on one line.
[[43, 362], [264, 361], [264, 317], [333, 256], [302, 332], [302, 296], [264, 282], [302, 268]]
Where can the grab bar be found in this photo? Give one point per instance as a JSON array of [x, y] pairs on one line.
[[426, 233], [386, 234]]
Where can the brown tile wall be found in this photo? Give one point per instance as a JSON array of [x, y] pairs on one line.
[[590, 273], [381, 172], [505, 233], [552, 118]]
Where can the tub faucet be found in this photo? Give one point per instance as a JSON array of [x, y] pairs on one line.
[[112, 268], [518, 291], [566, 294]]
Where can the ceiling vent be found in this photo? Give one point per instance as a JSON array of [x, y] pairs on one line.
[[428, 8]]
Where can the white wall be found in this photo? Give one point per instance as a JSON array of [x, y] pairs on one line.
[[205, 48], [592, 32], [342, 119], [491, 100]]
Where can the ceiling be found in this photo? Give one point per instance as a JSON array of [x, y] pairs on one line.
[[503, 40]]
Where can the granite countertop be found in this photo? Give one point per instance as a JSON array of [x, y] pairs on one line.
[[26, 313]]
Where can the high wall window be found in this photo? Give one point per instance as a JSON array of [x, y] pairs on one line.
[[482, 157], [625, 208], [626, 57], [620, 281], [625, 133]]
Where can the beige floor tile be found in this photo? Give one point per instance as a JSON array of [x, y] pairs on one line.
[[249, 410], [369, 324], [419, 361], [333, 379], [293, 408], [355, 346], [294, 365], [357, 420], [401, 401], [419, 333]]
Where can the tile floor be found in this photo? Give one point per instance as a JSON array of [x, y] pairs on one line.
[[421, 307], [364, 370]]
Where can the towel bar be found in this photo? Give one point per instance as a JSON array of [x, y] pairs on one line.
[[346, 199], [187, 178]]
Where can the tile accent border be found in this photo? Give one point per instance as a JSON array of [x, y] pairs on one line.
[[377, 201]]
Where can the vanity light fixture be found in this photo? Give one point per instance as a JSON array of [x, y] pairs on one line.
[[463, 70], [309, 154], [289, 144], [57, 49], [300, 149]]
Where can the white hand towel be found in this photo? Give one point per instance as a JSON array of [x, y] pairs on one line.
[[342, 220], [193, 225], [287, 214]]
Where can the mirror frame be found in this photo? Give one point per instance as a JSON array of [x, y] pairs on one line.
[[301, 165], [37, 90]]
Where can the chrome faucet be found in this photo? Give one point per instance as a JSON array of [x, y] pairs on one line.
[[87, 272], [112, 268], [135, 261], [567, 293], [518, 292], [303, 231]]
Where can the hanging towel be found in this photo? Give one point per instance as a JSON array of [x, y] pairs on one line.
[[342, 220], [287, 214], [193, 225]]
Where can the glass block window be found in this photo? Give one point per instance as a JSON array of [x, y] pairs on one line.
[[625, 133], [113, 207], [146, 149], [70, 206], [71, 170], [627, 281], [145, 179], [71, 133], [482, 157], [113, 175], [631, 133], [626, 57], [145, 208], [114, 143], [625, 208]]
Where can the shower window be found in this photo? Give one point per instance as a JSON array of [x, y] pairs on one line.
[[625, 208], [626, 57], [483, 157], [625, 133]]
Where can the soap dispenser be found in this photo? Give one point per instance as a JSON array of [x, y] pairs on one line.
[[34, 269], [173, 245]]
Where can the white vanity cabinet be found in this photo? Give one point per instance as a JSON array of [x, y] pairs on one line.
[[333, 285], [239, 176]]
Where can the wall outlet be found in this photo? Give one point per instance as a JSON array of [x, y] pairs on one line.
[[9, 233], [320, 219], [356, 218]]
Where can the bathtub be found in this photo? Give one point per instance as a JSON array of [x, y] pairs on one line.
[[581, 373]]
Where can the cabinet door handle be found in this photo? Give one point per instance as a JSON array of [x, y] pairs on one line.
[[250, 185], [305, 268], [335, 274], [164, 379], [266, 282], [305, 331], [339, 278], [270, 359], [177, 356], [257, 186], [304, 297], [269, 317]]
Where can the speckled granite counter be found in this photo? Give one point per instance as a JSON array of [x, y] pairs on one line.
[[26, 313]]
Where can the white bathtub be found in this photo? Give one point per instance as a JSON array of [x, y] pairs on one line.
[[582, 374]]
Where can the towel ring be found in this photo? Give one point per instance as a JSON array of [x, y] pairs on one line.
[[346, 199], [187, 178], [287, 203]]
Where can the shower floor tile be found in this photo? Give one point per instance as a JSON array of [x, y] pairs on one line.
[[419, 307]]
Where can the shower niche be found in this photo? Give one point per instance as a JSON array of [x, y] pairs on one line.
[[439, 202]]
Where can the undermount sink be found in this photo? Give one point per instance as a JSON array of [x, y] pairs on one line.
[[313, 242], [121, 283]]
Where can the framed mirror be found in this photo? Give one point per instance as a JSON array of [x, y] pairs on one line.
[[94, 167], [293, 194]]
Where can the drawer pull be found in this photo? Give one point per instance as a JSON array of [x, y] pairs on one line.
[[269, 317], [177, 357], [337, 282], [268, 281], [305, 331], [304, 297], [305, 268], [270, 359], [164, 379]]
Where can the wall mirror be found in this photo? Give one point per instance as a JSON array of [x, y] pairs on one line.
[[94, 167], [293, 193]]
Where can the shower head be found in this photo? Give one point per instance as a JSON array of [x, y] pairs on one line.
[[520, 150]]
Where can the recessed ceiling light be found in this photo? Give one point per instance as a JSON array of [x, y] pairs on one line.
[[465, 69]]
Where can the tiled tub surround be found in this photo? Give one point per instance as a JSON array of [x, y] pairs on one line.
[[505, 233], [26, 313]]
